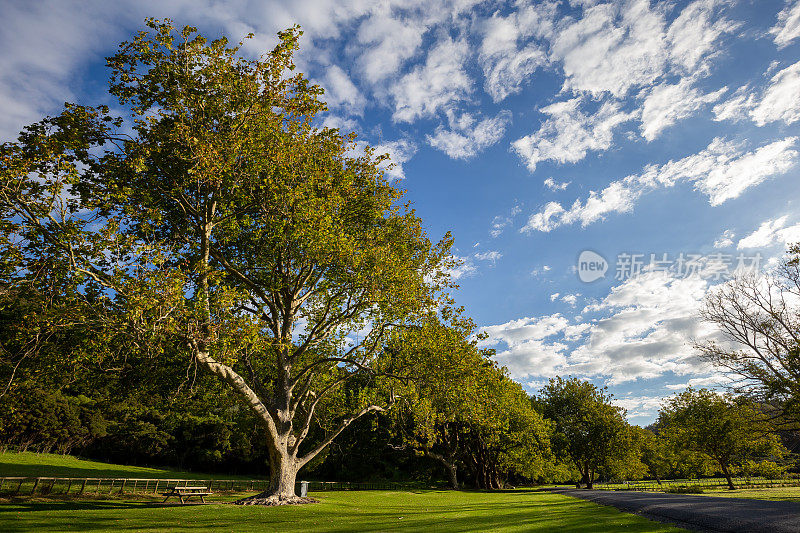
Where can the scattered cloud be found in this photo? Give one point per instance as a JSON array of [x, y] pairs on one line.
[[437, 84], [722, 171], [500, 222], [507, 63], [400, 152], [693, 35], [780, 101], [342, 93], [736, 107], [569, 134], [491, 256], [644, 332], [536, 272], [667, 103], [554, 185], [611, 48], [467, 137], [387, 42], [771, 232], [464, 269], [571, 299], [725, 240], [702, 382], [640, 406], [787, 29]]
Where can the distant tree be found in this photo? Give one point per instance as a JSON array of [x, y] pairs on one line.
[[759, 317], [726, 429], [460, 409], [589, 429], [221, 221]]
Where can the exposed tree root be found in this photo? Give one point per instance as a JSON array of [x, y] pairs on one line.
[[274, 499]]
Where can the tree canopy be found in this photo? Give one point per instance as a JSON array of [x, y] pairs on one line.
[[214, 214], [728, 430]]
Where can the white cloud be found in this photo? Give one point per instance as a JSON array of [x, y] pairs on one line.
[[45, 44], [704, 382], [491, 256], [725, 240], [771, 232], [508, 63], [611, 48], [468, 137], [554, 185], [777, 102], [342, 93], [500, 222], [736, 107], [645, 331], [568, 134], [780, 100], [722, 171], [571, 299], [787, 28], [434, 86], [693, 34], [546, 219], [400, 151], [387, 42], [464, 269], [554, 296], [344, 125], [640, 406], [668, 103]]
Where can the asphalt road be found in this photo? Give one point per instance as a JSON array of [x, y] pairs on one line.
[[701, 513]]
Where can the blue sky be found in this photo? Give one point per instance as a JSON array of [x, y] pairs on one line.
[[533, 131]]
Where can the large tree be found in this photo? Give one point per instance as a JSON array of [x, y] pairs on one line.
[[210, 211], [589, 429], [726, 429], [759, 319]]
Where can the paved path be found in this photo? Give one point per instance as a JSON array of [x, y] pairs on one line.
[[701, 513]]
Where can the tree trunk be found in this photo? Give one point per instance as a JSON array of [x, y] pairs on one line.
[[283, 469], [727, 473], [453, 474], [450, 466]]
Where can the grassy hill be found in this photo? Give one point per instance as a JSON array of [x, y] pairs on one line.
[[54, 465]]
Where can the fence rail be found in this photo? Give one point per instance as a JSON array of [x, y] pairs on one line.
[[714, 483], [28, 486]]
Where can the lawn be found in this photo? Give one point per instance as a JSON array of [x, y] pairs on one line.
[[442, 511], [30, 464], [788, 494]]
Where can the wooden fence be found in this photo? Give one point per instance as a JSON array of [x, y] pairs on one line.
[[713, 483], [15, 486]]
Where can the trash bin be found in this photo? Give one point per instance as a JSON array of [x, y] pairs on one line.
[[303, 489]]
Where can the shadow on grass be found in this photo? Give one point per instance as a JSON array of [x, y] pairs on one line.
[[339, 515]]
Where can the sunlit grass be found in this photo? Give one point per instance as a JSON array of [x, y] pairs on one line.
[[441, 511]]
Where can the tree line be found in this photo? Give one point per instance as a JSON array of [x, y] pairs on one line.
[[204, 276]]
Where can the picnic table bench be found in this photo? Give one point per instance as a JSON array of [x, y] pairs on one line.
[[187, 492]]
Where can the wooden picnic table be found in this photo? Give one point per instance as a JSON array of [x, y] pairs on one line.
[[187, 492]]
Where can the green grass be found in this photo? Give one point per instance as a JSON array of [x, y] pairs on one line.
[[442, 511], [28, 464], [787, 494]]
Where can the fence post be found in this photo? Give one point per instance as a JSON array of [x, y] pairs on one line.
[[35, 484]]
